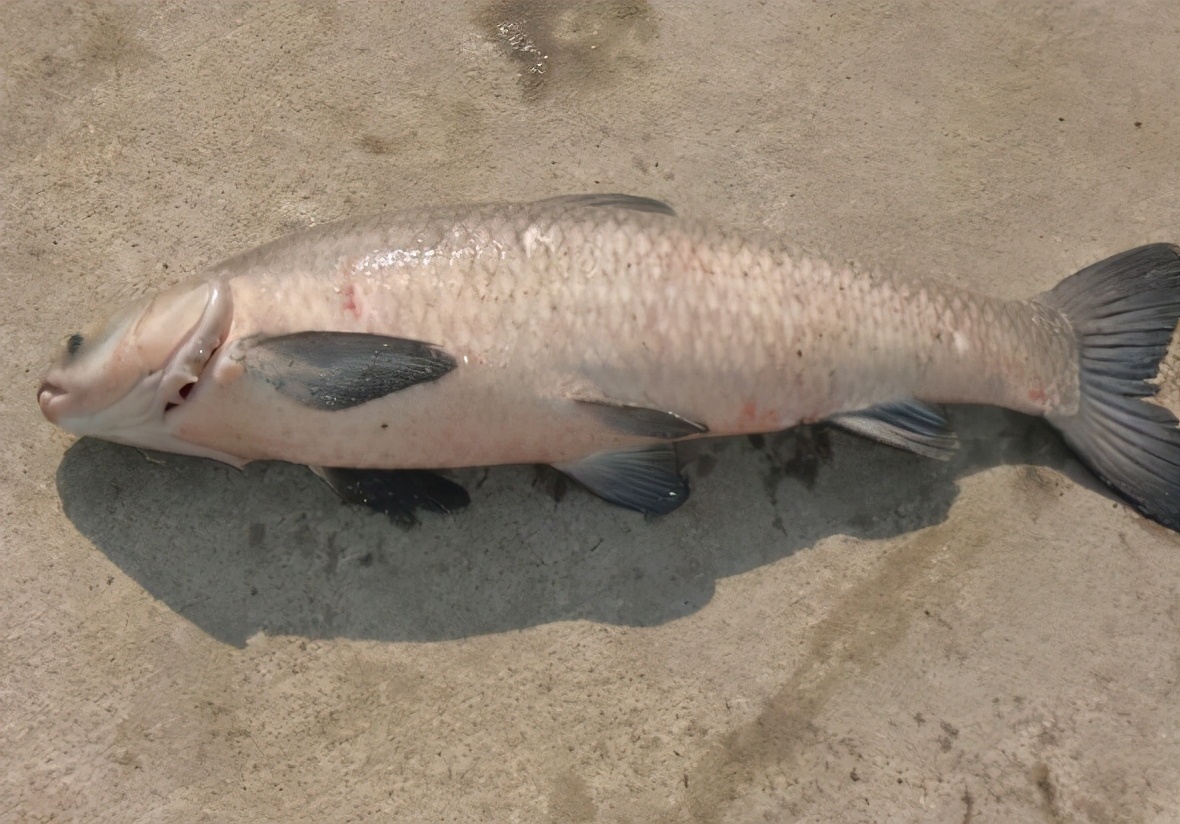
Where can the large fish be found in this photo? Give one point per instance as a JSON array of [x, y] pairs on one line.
[[592, 333]]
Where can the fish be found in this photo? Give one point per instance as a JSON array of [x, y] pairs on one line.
[[593, 333]]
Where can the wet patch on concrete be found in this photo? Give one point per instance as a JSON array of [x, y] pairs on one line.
[[570, 43]]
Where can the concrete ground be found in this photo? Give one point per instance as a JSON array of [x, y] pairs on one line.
[[870, 637]]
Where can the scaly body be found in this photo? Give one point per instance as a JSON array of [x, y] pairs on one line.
[[540, 304]]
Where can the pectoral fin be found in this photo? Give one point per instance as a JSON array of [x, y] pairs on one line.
[[646, 480], [910, 425], [396, 493], [339, 370], [641, 421]]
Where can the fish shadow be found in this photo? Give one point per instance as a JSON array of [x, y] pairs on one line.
[[271, 549]]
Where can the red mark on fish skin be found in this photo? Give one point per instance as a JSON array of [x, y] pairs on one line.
[[753, 419], [349, 302], [1038, 396]]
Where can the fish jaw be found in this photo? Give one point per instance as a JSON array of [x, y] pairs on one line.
[[143, 415]]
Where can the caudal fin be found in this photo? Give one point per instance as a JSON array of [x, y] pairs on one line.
[[1124, 311]]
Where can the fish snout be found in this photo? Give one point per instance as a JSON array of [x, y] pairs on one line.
[[47, 396]]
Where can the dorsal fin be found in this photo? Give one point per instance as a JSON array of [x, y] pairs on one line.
[[617, 200]]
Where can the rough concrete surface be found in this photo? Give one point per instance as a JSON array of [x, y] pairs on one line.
[[865, 637]]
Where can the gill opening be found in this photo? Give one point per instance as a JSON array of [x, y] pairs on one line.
[[199, 349], [183, 392]]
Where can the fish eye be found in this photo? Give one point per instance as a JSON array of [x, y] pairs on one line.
[[74, 343]]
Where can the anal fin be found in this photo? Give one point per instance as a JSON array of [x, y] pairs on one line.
[[395, 493], [914, 426], [647, 480]]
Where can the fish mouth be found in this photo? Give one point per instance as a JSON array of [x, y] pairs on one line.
[[46, 397]]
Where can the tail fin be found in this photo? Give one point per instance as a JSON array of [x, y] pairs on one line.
[[1124, 311]]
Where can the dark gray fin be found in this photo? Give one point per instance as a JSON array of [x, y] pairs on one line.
[[620, 201], [641, 421], [1124, 312], [396, 493], [646, 480], [914, 426], [339, 370]]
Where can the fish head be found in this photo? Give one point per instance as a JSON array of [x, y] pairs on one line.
[[120, 378]]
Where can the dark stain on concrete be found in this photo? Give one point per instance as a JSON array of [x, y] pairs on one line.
[[872, 618]]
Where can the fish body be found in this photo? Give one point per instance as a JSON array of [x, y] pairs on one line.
[[571, 332]]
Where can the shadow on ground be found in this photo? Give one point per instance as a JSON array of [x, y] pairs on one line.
[[272, 549]]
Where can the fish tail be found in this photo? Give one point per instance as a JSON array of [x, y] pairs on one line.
[[1124, 312]]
